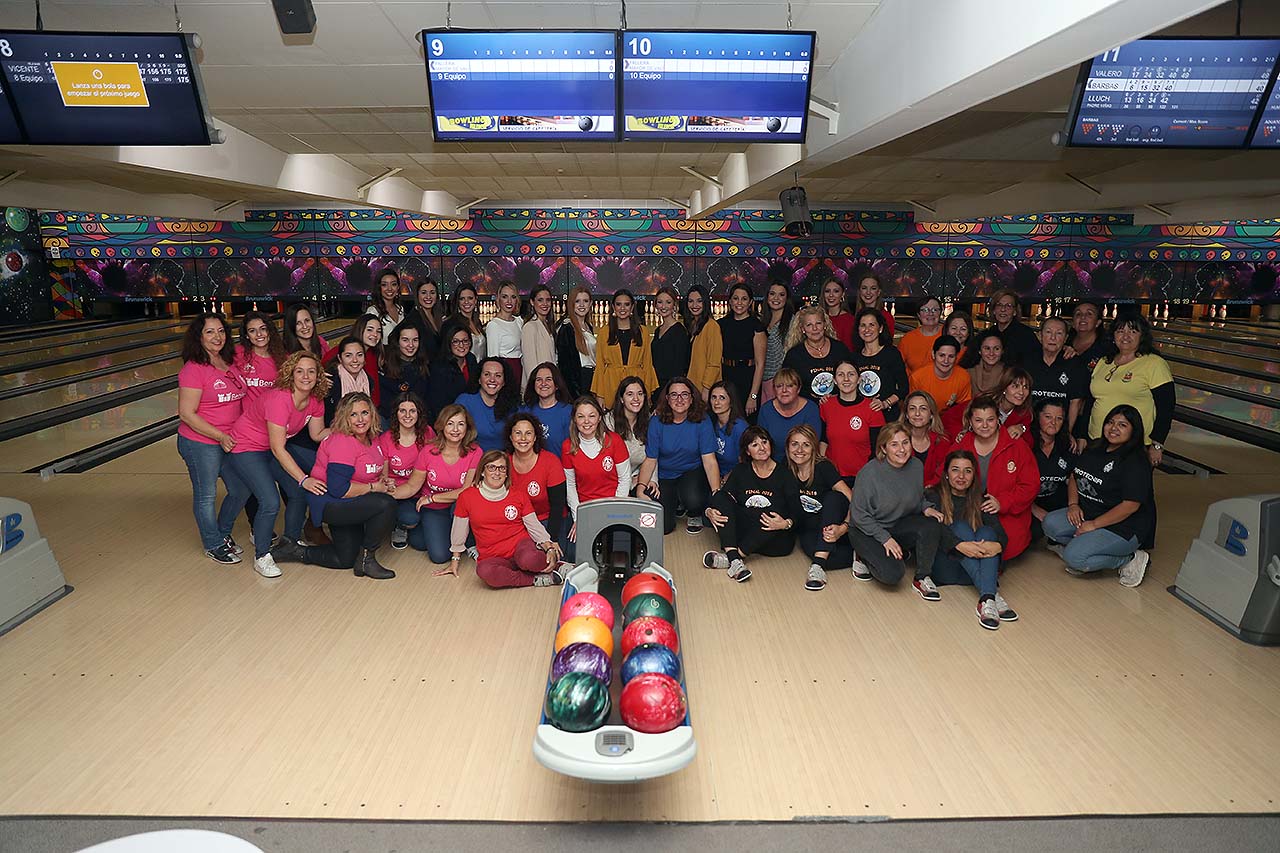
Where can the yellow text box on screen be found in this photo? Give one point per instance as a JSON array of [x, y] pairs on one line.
[[100, 84]]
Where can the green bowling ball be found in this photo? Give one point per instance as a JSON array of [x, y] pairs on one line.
[[578, 702], [648, 604], [16, 218]]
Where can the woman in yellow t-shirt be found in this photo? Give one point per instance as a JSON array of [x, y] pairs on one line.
[[1137, 376]]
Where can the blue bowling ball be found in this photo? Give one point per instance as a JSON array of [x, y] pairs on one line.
[[650, 657]]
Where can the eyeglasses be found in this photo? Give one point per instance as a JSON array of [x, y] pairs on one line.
[[678, 395], [928, 310], [496, 469]]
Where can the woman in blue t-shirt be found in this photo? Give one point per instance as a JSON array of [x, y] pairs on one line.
[[680, 455], [490, 402], [547, 396], [728, 423]]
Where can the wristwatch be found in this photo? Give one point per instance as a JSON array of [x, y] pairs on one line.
[[755, 396], [1158, 446]]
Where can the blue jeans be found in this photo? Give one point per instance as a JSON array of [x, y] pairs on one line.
[[204, 466], [407, 512], [259, 473], [953, 569], [1095, 551], [432, 533]]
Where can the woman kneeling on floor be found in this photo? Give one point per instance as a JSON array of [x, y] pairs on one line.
[[974, 539], [512, 546], [887, 515], [1109, 503], [755, 511], [357, 503]]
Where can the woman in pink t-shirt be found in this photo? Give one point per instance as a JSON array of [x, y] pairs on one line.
[[446, 466], [356, 500], [210, 392], [261, 462], [403, 442], [260, 354]]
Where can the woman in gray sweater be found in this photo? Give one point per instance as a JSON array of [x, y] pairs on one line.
[[886, 516]]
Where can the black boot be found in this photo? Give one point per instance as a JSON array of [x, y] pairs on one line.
[[286, 550], [367, 566]]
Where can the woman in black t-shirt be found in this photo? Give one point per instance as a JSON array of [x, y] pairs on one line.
[[882, 374], [1051, 445], [1110, 508], [813, 352], [822, 526], [744, 343]]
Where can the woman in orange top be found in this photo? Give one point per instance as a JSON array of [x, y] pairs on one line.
[[623, 352], [916, 345]]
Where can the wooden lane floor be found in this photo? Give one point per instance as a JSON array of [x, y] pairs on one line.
[[37, 448], [1218, 451], [75, 392], [168, 685], [1219, 360], [1227, 378], [45, 344], [89, 361], [1263, 417]]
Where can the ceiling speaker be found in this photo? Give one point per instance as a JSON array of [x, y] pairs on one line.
[[795, 212], [296, 17]]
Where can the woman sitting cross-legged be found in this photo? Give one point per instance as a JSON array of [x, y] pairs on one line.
[[403, 442], [680, 455], [971, 547], [512, 546], [887, 515], [357, 503], [755, 510], [822, 527], [1109, 509], [444, 468]]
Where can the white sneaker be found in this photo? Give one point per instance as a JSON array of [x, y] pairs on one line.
[[1006, 613], [860, 570], [1132, 572], [266, 566], [738, 571], [474, 553], [988, 615], [817, 578], [715, 560], [1056, 548]]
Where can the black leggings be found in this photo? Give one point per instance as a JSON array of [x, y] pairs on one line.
[[743, 532], [690, 489], [354, 523], [918, 532], [835, 510]]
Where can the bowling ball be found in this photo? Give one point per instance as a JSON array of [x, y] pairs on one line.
[[774, 125], [649, 629], [577, 702], [582, 657], [648, 604], [651, 657], [13, 261], [586, 122], [16, 218], [647, 582], [653, 702], [587, 604], [585, 629]]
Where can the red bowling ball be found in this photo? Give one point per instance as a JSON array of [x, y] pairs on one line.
[[587, 604], [653, 703], [649, 629], [647, 582]]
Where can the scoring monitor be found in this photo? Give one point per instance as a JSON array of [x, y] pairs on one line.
[[1173, 93], [715, 84], [1266, 133], [104, 88], [513, 84]]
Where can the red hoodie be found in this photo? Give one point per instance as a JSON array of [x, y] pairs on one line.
[[1013, 479]]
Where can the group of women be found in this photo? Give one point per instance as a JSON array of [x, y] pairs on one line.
[[776, 424]]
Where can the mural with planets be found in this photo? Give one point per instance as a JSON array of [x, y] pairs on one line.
[[24, 278], [296, 254]]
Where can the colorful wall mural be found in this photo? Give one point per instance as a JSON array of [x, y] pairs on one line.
[[24, 292], [316, 254]]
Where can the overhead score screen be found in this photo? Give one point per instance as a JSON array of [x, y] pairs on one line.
[[514, 84], [711, 85], [1173, 93], [1267, 132], [104, 88]]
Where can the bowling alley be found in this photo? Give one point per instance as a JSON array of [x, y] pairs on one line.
[[736, 425]]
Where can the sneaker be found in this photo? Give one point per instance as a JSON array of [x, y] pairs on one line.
[[223, 554], [286, 550], [551, 578], [817, 577], [266, 566], [1007, 613], [927, 588], [1132, 572], [693, 524], [860, 571], [1074, 572], [988, 615], [233, 547], [1055, 548], [400, 538], [738, 571], [715, 560]]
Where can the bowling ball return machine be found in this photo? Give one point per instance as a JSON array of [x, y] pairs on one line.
[[1231, 573], [619, 538]]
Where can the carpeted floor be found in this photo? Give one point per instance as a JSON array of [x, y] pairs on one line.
[[1237, 833]]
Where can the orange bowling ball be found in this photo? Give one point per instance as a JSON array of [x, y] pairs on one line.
[[585, 629], [647, 582]]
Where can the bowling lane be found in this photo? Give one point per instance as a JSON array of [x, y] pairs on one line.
[[1263, 417], [87, 349], [1228, 328], [1241, 345], [1221, 360], [1227, 379], [47, 346], [37, 448], [1218, 451], [75, 392]]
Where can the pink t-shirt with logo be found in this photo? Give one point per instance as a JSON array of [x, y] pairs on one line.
[[258, 372], [221, 396], [342, 449], [443, 477], [273, 406], [401, 460]]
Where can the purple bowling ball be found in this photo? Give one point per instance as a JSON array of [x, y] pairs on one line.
[[582, 657]]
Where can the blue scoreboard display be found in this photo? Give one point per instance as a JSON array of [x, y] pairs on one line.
[[1173, 93], [513, 84], [716, 85], [1267, 132], [76, 88]]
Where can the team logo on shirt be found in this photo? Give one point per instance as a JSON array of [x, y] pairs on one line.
[[855, 423], [431, 475], [1062, 463], [758, 502], [511, 512], [808, 503], [823, 383], [1106, 469], [219, 385], [1011, 467], [1128, 377], [951, 401], [719, 445], [372, 467], [607, 464], [869, 383], [534, 489], [546, 431], [395, 461], [1062, 378]]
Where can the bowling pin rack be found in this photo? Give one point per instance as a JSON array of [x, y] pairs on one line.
[[614, 753]]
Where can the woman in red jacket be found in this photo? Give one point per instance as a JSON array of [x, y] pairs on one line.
[[1010, 476], [929, 442]]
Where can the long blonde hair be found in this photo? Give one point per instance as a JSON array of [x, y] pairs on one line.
[[796, 333], [810, 435], [342, 415], [602, 429], [284, 378], [935, 420]]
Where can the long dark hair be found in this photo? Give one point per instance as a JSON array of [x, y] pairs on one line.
[[562, 388], [550, 321], [378, 302], [884, 337], [452, 326], [393, 363], [1061, 441], [736, 412], [752, 308], [291, 341], [435, 318], [1138, 438], [749, 435], [620, 423], [615, 334], [419, 428], [946, 497], [785, 315], [538, 442], [193, 349], [470, 321], [1146, 340], [508, 399], [275, 346], [695, 325], [697, 408], [357, 331], [972, 353]]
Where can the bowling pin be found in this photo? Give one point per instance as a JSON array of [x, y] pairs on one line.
[[893, 309]]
